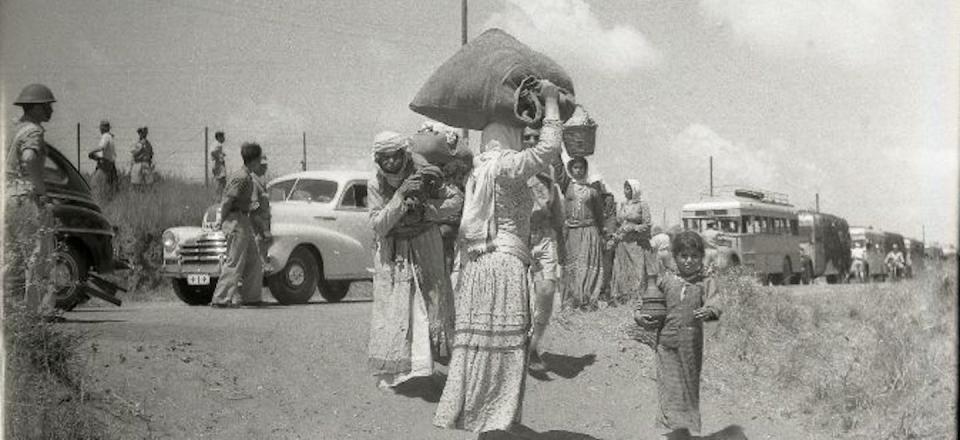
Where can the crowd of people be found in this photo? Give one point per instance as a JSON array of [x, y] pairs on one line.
[[469, 256]]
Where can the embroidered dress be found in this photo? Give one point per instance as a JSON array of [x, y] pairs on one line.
[[634, 259], [680, 350], [485, 382]]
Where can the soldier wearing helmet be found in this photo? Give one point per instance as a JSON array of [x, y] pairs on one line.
[[27, 204]]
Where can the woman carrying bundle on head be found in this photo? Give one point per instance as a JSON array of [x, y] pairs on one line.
[[411, 322], [485, 382]]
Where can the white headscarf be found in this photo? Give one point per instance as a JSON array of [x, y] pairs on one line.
[[478, 226], [388, 141], [635, 188]]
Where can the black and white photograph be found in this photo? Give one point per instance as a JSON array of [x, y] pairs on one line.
[[480, 219]]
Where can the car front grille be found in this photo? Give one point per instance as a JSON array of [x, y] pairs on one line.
[[205, 250]]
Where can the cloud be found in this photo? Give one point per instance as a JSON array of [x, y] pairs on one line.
[[853, 33], [776, 167], [569, 31]]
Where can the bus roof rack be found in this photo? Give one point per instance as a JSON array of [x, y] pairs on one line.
[[761, 195]]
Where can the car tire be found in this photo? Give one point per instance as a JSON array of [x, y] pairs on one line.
[[297, 281], [334, 291], [72, 266], [194, 295]]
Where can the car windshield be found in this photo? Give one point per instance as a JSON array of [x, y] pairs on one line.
[[313, 190]]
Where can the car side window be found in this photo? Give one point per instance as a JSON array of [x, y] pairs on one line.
[[355, 196], [314, 190], [281, 190]]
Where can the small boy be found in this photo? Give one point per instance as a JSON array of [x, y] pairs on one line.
[[690, 299]]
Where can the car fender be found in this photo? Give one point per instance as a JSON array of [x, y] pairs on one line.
[[333, 246]]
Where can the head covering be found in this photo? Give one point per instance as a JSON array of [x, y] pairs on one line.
[[141, 130], [635, 188], [104, 123], [582, 180], [657, 230], [388, 142], [478, 226]]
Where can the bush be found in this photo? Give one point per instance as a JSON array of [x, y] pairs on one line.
[[865, 361]]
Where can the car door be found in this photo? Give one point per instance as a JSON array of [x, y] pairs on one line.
[[352, 218]]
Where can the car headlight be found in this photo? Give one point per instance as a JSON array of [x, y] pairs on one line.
[[169, 241]]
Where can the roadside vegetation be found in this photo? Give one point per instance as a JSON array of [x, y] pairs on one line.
[[853, 361]]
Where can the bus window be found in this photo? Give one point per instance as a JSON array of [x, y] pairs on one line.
[[729, 226], [744, 224], [795, 227]]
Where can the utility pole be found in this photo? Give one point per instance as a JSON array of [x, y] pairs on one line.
[[923, 234], [711, 176], [206, 156], [78, 147], [818, 202], [303, 164], [464, 133], [664, 218]]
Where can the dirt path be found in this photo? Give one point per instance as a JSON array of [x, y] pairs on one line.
[[299, 373]]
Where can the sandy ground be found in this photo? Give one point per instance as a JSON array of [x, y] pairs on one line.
[[175, 371]]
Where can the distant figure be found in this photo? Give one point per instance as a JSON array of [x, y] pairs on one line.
[[635, 259], [691, 297], [660, 243], [711, 240], [105, 176], [219, 163], [608, 232], [27, 205], [583, 268], [895, 262], [859, 255], [260, 210], [141, 170]]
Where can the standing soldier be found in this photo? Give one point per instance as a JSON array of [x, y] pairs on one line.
[[106, 156], [546, 235], [219, 163], [141, 169], [241, 276], [27, 203]]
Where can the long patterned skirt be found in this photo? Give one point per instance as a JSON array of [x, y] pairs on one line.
[[485, 382], [583, 271], [631, 267]]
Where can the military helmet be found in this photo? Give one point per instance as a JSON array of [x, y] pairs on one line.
[[35, 94]]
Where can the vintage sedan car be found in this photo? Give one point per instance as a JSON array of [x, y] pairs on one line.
[[321, 240]]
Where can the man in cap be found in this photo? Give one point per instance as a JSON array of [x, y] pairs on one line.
[[27, 203], [260, 210], [106, 156], [241, 276]]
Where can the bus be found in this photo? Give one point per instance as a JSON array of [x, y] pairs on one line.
[[877, 243], [758, 230], [826, 247], [913, 251]]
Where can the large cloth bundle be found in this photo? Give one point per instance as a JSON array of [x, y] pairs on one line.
[[492, 78]]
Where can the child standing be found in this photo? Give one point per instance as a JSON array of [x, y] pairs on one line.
[[689, 297]]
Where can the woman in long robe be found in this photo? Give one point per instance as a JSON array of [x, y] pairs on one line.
[[485, 382], [583, 267], [634, 260], [411, 324]]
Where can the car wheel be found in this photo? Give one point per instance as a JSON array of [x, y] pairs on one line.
[[194, 295], [334, 291], [68, 272], [297, 281]]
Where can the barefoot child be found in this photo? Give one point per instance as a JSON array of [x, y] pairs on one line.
[[690, 296]]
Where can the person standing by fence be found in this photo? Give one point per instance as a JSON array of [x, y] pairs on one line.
[[219, 163], [105, 176], [141, 171], [28, 215]]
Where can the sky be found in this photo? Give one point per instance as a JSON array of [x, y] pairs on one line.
[[854, 100]]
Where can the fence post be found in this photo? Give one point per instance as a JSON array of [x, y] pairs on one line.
[[78, 147], [206, 154], [303, 164]]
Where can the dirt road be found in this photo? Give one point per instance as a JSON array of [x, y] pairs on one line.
[[177, 371]]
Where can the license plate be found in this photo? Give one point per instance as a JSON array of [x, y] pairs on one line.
[[198, 279]]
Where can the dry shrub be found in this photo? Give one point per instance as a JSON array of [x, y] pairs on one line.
[[864, 361]]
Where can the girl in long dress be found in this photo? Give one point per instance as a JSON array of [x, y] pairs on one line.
[[485, 382], [583, 267], [634, 260], [412, 315], [691, 296]]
